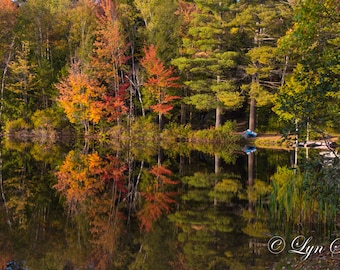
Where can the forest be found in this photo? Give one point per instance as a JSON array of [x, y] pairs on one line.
[[112, 67], [100, 101]]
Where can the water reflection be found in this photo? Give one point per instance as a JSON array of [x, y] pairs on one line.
[[170, 207]]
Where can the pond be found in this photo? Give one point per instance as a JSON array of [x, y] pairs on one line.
[[100, 205]]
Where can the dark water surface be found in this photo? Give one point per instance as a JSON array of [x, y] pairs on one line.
[[94, 205]]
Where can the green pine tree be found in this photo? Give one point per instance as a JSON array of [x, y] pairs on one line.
[[260, 26], [209, 60]]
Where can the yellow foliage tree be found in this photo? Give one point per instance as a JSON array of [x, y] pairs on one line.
[[78, 96]]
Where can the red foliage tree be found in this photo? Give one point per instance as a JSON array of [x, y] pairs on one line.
[[160, 80], [108, 61]]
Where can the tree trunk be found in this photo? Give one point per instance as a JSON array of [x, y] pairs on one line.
[[160, 121], [182, 165], [254, 80], [183, 114], [283, 76], [296, 143], [252, 114], [218, 117], [135, 80], [86, 127], [218, 109]]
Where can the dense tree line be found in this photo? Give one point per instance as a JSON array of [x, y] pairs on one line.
[[107, 63]]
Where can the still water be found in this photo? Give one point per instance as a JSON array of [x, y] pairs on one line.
[[96, 205]]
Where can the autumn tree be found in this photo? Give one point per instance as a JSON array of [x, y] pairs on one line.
[[109, 61], [8, 15], [131, 25], [79, 96], [159, 83], [42, 26], [97, 79]]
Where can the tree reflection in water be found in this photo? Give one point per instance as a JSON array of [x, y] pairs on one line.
[[113, 208]]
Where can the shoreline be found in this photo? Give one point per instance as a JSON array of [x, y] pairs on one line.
[[277, 141]]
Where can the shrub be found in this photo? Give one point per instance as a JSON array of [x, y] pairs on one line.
[[15, 126], [176, 132], [221, 134], [144, 129], [45, 119]]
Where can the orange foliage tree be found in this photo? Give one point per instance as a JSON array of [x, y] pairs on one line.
[[100, 91], [160, 80], [156, 200], [78, 96]]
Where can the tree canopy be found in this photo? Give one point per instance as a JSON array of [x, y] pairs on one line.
[[220, 60]]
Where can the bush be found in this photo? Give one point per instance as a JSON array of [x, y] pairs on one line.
[[45, 119], [176, 132], [143, 129], [16, 126], [221, 134]]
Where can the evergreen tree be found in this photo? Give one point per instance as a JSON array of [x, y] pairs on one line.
[[21, 85], [209, 61], [261, 25]]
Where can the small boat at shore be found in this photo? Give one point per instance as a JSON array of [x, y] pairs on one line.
[[249, 134]]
